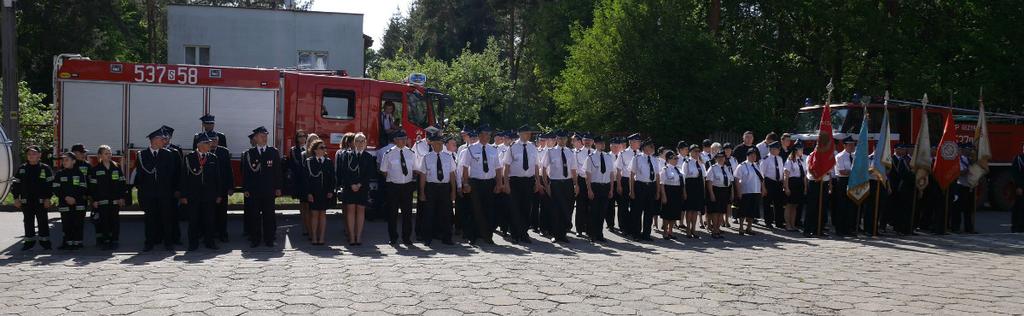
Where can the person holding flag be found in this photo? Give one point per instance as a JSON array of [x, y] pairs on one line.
[[947, 169], [979, 168], [819, 166], [859, 186], [881, 162], [921, 163]]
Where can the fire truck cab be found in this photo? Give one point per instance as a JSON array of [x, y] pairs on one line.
[[1006, 135]]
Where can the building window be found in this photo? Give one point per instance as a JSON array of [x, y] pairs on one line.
[[197, 55], [310, 60], [339, 104]]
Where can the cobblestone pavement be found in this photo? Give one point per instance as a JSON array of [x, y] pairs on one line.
[[764, 274]]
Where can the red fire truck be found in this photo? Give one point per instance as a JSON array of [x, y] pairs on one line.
[[119, 103], [1006, 135]]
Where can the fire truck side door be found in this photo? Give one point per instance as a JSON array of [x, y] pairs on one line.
[[338, 105]]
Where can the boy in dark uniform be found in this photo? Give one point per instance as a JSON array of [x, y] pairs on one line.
[[261, 174], [201, 191], [71, 187], [179, 156], [227, 184], [108, 191], [903, 183], [32, 191], [156, 179]]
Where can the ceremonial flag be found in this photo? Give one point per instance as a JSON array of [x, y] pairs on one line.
[[980, 166], [823, 158], [883, 149], [921, 160], [859, 186], [947, 156]]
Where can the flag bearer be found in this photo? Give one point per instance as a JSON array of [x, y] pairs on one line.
[[108, 191], [398, 165], [436, 192], [201, 188], [845, 212], [963, 210], [32, 190], [261, 182]]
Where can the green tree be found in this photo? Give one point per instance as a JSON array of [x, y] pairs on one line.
[[36, 118]]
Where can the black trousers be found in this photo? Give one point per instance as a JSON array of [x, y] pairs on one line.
[[201, 221], [221, 217], [533, 218], [622, 204], [559, 208], [773, 210], [582, 218], [1017, 216], [871, 216], [595, 222], [108, 224], [160, 219], [72, 224], [903, 208], [262, 219], [464, 215], [521, 205], [817, 200], [642, 210], [34, 215], [246, 213], [482, 197], [964, 210], [502, 212], [399, 198], [437, 212], [844, 213]]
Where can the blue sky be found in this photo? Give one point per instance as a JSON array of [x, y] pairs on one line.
[[376, 13]]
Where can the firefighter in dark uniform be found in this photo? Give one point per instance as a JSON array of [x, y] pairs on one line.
[[81, 158], [903, 183], [1017, 215], [71, 187], [32, 191], [436, 192], [261, 182], [962, 210], [227, 185], [201, 191], [156, 179], [179, 156], [108, 191], [208, 125], [845, 212]]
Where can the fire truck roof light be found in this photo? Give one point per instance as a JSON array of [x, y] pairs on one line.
[[418, 79]]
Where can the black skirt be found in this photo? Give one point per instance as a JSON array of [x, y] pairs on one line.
[[722, 195], [671, 210], [695, 199], [750, 205], [362, 197], [796, 191]]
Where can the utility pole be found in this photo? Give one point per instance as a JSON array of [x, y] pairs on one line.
[[10, 73]]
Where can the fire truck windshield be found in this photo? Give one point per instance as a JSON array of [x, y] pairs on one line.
[[846, 120], [418, 109]]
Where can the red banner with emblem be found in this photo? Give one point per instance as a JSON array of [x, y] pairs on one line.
[[946, 167], [823, 158]]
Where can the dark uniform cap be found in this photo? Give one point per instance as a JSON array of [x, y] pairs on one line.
[[647, 143], [472, 133], [33, 148], [68, 154], [588, 136], [634, 136], [669, 155], [598, 139], [398, 134], [561, 134], [727, 145], [545, 136], [435, 137], [204, 138], [449, 138], [694, 147], [260, 130], [207, 119], [720, 155], [798, 145], [157, 133], [485, 128], [753, 151], [78, 148], [465, 130], [706, 143], [167, 130], [849, 141], [775, 145], [682, 144]]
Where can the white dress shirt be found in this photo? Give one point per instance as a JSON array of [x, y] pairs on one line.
[[624, 160], [473, 158], [772, 167], [391, 163], [513, 159], [592, 164], [795, 167], [719, 175], [644, 167], [747, 178], [844, 161], [670, 175], [581, 157], [428, 167], [553, 163], [692, 168]]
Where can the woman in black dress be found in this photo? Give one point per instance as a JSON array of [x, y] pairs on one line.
[[796, 182], [694, 187], [319, 189], [355, 170]]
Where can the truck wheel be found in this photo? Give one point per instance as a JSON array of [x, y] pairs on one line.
[[1003, 191]]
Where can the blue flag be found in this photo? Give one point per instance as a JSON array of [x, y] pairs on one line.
[[859, 186], [883, 151]]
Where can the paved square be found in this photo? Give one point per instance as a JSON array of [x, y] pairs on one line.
[[763, 274]]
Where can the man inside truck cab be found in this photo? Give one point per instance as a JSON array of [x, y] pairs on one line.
[[208, 126], [388, 123]]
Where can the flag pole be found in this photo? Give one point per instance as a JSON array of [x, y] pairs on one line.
[[821, 188], [874, 218]]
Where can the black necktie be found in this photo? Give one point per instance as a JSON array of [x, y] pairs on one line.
[[440, 171], [700, 171], [602, 163], [725, 177], [758, 173], [483, 148], [565, 165], [526, 165], [775, 163], [650, 166], [401, 155], [800, 165]]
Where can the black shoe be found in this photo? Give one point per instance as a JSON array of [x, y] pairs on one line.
[[269, 244], [192, 247], [169, 248], [147, 248], [447, 242], [28, 245], [393, 241], [427, 243], [407, 242], [223, 239], [46, 245], [254, 244], [211, 246]]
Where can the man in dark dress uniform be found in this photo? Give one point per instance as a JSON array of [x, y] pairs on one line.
[[179, 155], [261, 182], [201, 191], [902, 182], [227, 185], [1017, 216], [156, 179], [208, 125], [32, 190]]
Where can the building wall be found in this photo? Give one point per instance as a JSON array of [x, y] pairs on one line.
[[265, 38]]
